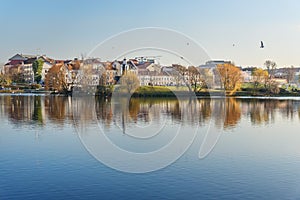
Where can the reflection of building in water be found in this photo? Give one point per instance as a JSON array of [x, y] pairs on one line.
[[25, 110], [36, 109], [21, 108]]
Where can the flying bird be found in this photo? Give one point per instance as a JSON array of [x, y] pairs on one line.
[[261, 44]]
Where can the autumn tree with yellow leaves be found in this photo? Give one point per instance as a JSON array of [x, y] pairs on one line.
[[260, 76], [231, 76]]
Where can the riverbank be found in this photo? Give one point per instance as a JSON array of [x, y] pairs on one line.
[[170, 91], [159, 91]]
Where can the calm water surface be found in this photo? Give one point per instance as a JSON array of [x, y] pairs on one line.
[[43, 156]]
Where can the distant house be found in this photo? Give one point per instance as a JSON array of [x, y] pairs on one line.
[[20, 68], [214, 63], [20, 59], [280, 81], [47, 64], [150, 73], [247, 76], [73, 75], [117, 65], [24, 64], [297, 79]]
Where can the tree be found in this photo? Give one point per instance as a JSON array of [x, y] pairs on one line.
[[230, 75], [37, 67], [178, 73], [130, 82], [271, 85], [194, 77], [56, 78], [198, 78], [17, 77], [290, 74], [271, 67], [5, 79], [260, 76], [207, 77]]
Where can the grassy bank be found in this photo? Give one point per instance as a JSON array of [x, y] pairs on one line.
[[170, 91], [162, 91]]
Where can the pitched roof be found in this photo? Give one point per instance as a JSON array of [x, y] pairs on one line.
[[17, 57], [47, 59], [143, 65]]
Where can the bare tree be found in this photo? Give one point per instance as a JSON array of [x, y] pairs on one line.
[[271, 67], [179, 73], [290, 74], [130, 82], [194, 77]]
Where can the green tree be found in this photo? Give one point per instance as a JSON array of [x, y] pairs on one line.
[[37, 67]]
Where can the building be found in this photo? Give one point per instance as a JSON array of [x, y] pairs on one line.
[[247, 76], [20, 69], [214, 63], [25, 71]]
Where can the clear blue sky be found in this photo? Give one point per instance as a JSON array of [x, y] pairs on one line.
[[65, 29]]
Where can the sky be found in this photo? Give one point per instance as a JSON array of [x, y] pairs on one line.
[[226, 30]]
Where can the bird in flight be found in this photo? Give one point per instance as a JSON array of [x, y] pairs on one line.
[[261, 44]]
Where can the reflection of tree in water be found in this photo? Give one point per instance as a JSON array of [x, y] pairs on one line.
[[205, 110], [83, 109], [136, 111], [225, 113], [265, 111], [140, 108], [258, 115], [187, 111], [233, 113], [19, 109], [23, 109], [58, 108], [289, 107], [37, 110], [104, 111], [133, 110], [218, 109]]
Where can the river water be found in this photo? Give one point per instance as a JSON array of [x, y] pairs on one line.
[[55, 147]]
